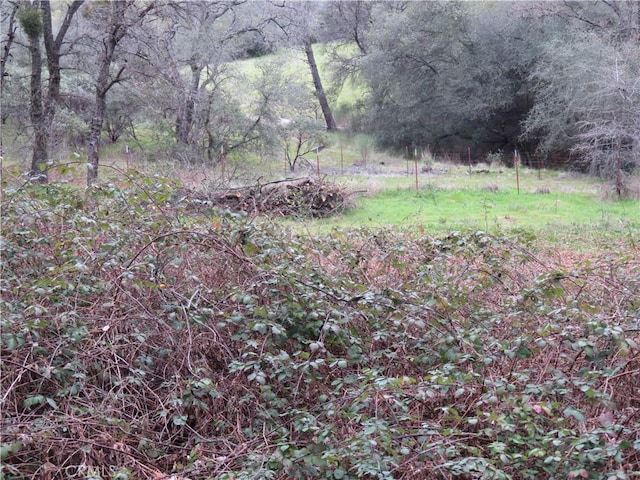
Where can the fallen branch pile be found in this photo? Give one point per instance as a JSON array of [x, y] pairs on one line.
[[306, 197]]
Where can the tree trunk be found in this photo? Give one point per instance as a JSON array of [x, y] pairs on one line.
[[184, 122], [38, 172], [6, 49], [52, 46], [317, 83], [94, 131], [116, 31], [42, 109], [189, 106]]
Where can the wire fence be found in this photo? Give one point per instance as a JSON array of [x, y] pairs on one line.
[[468, 157]]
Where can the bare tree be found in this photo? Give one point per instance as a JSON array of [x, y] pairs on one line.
[[296, 20], [193, 44], [7, 43], [35, 20], [588, 102], [301, 137], [53, 46], [609, 132], [118, 17], [190, 58]]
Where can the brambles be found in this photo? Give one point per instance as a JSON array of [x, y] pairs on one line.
[[138, 343]]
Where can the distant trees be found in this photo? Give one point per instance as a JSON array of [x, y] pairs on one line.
[[188, 64], [448, 73], [543, 77], [537, 76], [412, 54], [587, 97], [198, 44], [291, 123]]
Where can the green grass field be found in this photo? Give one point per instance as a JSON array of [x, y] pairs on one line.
[[454, 199], [438, 209]]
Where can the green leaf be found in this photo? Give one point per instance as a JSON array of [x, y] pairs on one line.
[[179, 420], [33, 400], [7, 449], [572, 412], [339, 473]]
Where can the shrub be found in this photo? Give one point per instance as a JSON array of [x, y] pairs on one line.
[[141, 343]]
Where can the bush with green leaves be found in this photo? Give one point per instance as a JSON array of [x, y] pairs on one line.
[[141, 341]]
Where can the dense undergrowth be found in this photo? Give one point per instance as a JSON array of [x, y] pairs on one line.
[[138, 343]]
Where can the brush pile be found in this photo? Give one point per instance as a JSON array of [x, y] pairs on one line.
[[302, 197]]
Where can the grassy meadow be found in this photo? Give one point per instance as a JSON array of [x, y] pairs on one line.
[[554, 204], [437, 210]]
